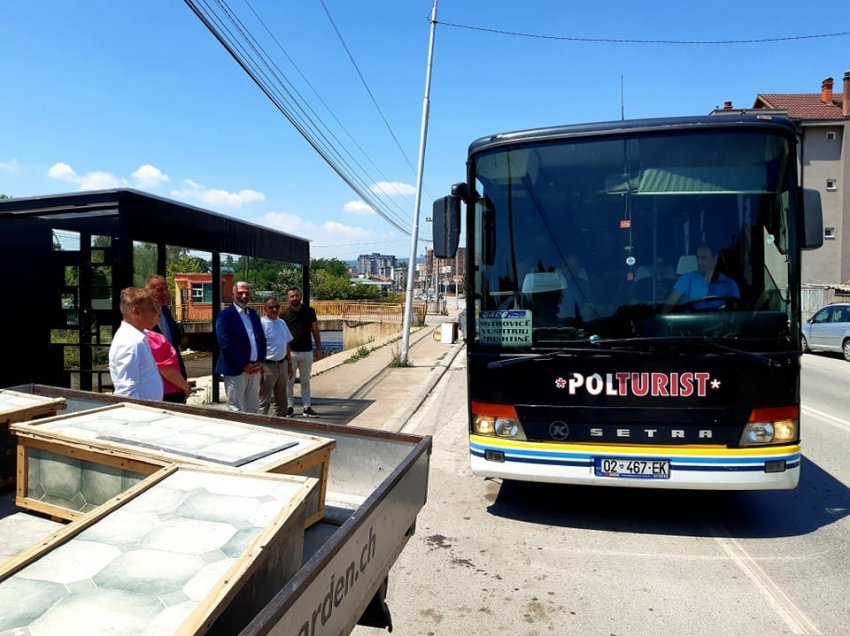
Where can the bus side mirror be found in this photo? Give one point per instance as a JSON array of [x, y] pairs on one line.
[[446, 216], [812, 220]]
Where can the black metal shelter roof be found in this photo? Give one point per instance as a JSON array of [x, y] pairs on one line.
[[150, 218]]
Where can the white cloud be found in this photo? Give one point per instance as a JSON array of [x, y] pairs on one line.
[[326, 233], [393, 188], [9, 166], [100, 180], [193, 191], [340, 230], [62, 172], [148, 176], [289, 223], [97, 180], [358, 207], [332, 239]]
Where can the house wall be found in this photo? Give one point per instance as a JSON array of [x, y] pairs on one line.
[[823, 159]]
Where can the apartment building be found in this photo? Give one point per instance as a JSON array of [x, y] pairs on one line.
[[823, 120], [376, 265]]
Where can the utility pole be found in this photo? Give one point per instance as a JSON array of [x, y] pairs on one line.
[[414, 235]]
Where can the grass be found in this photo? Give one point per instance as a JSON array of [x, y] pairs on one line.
[[360, 353], [396, 362]]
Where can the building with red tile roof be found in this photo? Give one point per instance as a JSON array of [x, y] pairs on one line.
[[823, 120]]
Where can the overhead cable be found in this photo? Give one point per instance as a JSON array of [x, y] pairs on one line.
[[295, 101], [318, 95], [598, 40], [365, 84], [286, 102]]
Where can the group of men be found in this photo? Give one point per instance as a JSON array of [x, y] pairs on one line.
[[144, 356], [260, 357]]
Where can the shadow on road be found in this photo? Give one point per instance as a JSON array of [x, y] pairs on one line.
[[818, 501]]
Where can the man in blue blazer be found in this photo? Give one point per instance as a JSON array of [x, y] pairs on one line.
[[243, 348]]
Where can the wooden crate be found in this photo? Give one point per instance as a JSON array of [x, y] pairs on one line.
[[69, 464], [189, 550], [20, 407]]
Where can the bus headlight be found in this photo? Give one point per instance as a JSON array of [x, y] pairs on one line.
[[508, 427], [484, 425], [771, 426], [498, 427], [496, 420]]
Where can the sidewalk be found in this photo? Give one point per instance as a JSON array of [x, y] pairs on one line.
[[368, 392]]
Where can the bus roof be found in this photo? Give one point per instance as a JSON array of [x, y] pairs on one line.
[[632, 126]]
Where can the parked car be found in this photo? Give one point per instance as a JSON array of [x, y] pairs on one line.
[[828, 330]]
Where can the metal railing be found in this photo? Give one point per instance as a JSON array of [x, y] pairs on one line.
[[203, 312], [365, 311], [325, 309]]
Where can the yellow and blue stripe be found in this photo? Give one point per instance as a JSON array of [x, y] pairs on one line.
[[690, 466]]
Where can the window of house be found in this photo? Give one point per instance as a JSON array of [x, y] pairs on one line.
[[202, 292], [830, 135], [829, 233], [831, 185]]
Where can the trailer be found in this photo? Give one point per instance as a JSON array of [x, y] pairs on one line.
[[376, 484]]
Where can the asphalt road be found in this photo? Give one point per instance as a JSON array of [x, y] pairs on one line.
[[544, 559]]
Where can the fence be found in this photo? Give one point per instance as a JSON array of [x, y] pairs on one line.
[[813, 298], [344, 309], [366, 312]]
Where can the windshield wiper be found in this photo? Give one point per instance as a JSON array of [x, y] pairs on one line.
[[701, 341], [564, 352]]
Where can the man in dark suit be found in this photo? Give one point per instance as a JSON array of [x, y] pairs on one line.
[[166, 325], [243, 348]]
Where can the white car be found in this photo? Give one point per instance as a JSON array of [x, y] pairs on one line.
[[828, 330]]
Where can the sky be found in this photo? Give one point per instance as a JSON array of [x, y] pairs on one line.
[[101, 94]]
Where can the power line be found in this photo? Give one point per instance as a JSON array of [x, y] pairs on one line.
[[297, 101], [286, 100], [597, 40], [365, 84], [316, 93]]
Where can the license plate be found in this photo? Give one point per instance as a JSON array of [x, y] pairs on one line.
[[635, 468]]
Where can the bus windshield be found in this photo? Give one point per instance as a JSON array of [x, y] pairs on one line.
[[680, 234]]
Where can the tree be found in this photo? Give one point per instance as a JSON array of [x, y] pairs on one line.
[[4, 196], [325, 286], [332, 265], [144, 262], [363, 291], [288, 276]]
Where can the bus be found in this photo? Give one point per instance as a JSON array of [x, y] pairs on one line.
[[633, 302]]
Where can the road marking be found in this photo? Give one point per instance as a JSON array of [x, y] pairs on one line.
[[791, 615], [826, 417]]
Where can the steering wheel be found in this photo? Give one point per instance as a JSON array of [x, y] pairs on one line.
[[714, 303]]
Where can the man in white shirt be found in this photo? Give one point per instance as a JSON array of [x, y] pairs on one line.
[[131, 363], [277, 366]]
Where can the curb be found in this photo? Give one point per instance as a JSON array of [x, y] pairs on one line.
[[397, 422]]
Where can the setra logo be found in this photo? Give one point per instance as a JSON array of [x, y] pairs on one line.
[[559, 430]]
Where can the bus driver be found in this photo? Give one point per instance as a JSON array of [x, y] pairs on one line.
[[705, 281]]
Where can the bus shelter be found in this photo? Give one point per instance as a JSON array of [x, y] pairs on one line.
[[67, 257]]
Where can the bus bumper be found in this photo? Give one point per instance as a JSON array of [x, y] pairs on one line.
[[690, 467]]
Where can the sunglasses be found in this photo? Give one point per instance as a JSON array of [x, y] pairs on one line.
[[272, 307]]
